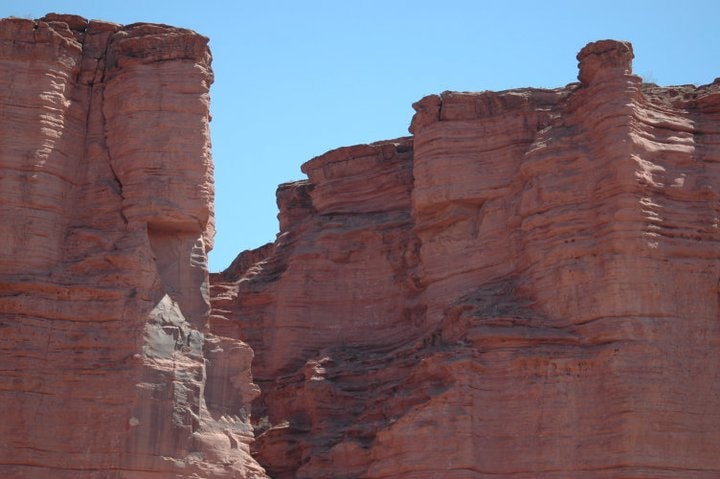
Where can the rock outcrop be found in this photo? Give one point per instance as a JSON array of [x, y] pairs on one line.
[[108, 367], [527, 287]]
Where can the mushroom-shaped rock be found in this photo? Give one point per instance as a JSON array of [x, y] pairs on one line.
[[604, 59]]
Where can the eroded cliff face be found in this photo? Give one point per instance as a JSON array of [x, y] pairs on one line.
[[108, 367], [527, 287]]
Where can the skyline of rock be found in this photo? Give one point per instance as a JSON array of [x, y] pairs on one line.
[[528, 286]]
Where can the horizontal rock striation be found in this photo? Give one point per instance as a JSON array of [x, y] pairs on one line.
[[527, 287], [109, 369]]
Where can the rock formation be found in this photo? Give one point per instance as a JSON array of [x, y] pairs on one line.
[[108, 367], [527, 287]]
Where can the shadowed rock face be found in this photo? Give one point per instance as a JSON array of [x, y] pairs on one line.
[[527, 287], [108, 367]]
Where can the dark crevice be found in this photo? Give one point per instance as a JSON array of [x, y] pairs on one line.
[[99, 78]]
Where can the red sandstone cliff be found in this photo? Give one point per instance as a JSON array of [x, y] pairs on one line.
[[108, 367], [527, 287]]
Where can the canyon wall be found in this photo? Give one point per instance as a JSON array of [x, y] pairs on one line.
[[108, 367], [526, 287]]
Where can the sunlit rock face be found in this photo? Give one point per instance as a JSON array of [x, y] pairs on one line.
[[526, 287], [109, 369]]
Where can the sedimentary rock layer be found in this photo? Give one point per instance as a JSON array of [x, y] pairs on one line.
[[108, 368], [527, 287]]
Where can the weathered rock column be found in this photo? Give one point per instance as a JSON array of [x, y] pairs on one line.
[[109, 369]]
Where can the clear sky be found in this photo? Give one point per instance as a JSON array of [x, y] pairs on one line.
[[294, 78]]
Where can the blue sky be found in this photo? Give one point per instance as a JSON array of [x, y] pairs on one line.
[[294, 79]]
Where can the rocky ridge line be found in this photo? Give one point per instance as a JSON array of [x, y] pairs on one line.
[[527, 287]]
